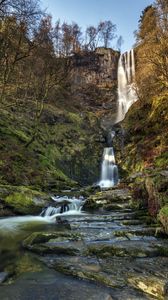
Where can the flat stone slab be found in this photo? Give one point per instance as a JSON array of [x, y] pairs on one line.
[[83, 268], [107, 197], [127, 248], [50, 285], [57, 243]]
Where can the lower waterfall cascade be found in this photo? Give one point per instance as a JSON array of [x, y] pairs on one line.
[[109, 169]]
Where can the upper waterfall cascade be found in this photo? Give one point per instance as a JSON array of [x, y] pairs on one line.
[[126, 89]]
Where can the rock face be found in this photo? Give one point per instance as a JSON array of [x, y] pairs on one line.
[[110, 200], [98, 67], [149, 190], [94, 82]]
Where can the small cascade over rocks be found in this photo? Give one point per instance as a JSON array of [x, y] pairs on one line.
[[64, 205], [126, 91], [109, 169]]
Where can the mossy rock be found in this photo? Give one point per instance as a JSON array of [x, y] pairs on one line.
[[43, 237], [163, 218], [26, 201], [152, 285], [64, 242], [125, 249]]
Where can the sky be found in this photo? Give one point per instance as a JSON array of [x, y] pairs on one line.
[[124, 13]]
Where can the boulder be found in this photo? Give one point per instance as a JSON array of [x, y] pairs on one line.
[[151, 285], [23, 200]]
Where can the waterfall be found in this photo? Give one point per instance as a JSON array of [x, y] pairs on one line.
[[126, 97], [109, 170], [126, 92], [63, 205]]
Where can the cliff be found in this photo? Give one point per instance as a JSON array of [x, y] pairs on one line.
[[94, 82], [96, 68]]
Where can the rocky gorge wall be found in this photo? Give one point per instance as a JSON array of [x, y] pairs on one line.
[[94, 82], [141, 149], [97, 67]]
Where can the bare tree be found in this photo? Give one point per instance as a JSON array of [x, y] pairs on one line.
[[76, 36], [91, 35], [107, 31]]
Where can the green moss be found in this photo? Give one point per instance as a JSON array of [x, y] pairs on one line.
[[27, 263], [162, 160], [146, 139], [164, 210], [64, 151], [21, 135], [75, 118], [20, 202], [25, 201]]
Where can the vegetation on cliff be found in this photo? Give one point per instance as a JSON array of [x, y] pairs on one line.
[[147, 121], [146, 141]]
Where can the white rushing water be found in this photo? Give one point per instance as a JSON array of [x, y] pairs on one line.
[[109, 170], [64, 207], [126, 90], [17, 223], [126, 97]]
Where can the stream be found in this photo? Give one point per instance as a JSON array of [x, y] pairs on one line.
[[103, 254]]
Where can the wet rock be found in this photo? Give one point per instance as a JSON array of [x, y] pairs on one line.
[[83, 268], [58, 242], [109, 197], [141, 232], [132, 222], [62, 224], [116, 206], [151, 285], [126, 249], [49, 284], [3, 276]]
